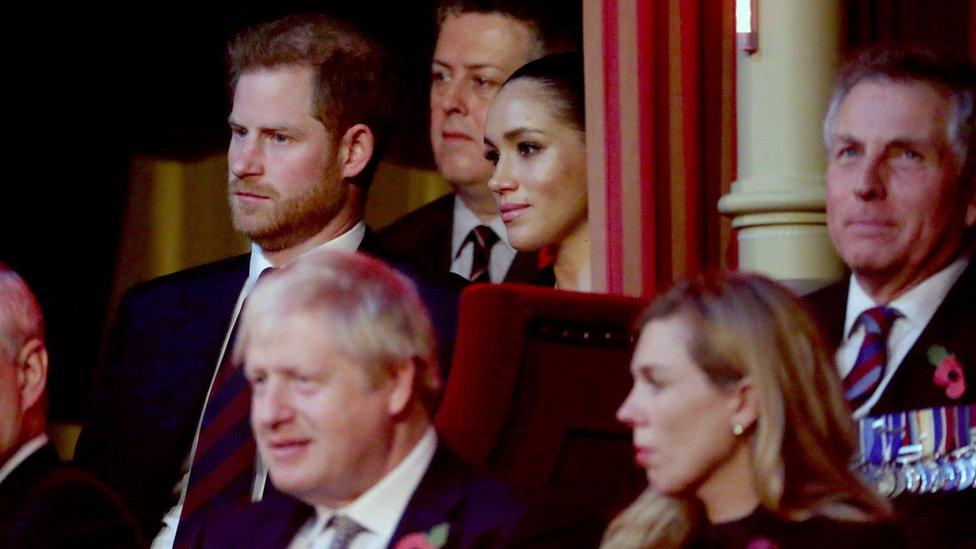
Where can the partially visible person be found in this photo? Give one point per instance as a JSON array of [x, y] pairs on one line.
[[340, 355], [738, 418], [311, 108], [479, 44], [43, 503], [535, 137], [900, 135]]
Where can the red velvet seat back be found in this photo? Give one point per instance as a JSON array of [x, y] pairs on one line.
[[537, 377]]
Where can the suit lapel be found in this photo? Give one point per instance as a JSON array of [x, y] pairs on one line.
[[280, 533], [912, 386], [14, 489], [433, 249], [438, 497], [829, 308], [524, 268], [209, 307], [371, 244]]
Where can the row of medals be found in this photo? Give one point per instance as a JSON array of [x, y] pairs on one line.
[[925, 474]]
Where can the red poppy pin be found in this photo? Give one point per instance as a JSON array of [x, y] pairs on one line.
[[762, 543], [948, 372], [434, 539]]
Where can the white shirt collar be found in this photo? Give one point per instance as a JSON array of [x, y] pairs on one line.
[[22, 453], [465, 220], [917, 305], [348, 241], [462, 251], [379, 509]]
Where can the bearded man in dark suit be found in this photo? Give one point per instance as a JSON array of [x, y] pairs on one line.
[[312, 104], [901, 211]]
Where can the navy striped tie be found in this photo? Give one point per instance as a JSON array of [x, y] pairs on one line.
[[869, 368], [222, 471]]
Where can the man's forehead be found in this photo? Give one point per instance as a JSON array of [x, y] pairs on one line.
[[309, 332], [912, 109], [270, 89], [912, 93]]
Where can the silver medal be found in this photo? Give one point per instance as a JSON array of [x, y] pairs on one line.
[[964, 472], [947, 471], [885, 481], [899, 481], [912, 478]]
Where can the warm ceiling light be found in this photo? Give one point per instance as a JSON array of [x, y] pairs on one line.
[[747, 25]]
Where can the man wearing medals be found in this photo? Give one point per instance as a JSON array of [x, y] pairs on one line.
[[901, 213]]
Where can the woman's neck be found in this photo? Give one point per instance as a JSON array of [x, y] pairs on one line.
[[572, 265], [729, 493]]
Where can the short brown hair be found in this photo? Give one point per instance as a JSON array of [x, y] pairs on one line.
[[353, 81], [556, 26]]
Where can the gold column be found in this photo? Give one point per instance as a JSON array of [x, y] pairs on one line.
[[782, 91]]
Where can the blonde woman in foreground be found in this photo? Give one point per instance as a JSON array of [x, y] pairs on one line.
[[738, 418]]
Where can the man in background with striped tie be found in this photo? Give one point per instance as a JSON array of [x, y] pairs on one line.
[[901, 212], [480, 43], [312, 104]]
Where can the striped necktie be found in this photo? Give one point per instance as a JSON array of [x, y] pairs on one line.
[[346, 529], [869, 367], [482, 238], [222, 471]]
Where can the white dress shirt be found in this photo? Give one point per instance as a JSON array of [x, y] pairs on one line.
[[462, 252], [348, 241], [25, 451], [917, 306], [378, 509]]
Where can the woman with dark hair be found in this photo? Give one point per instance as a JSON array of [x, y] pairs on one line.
[[535, 137], [739, 421]]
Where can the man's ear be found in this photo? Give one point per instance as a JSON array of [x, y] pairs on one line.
[[745, 403], [355, 150], [401, 394], [970, 215], [31, 373]]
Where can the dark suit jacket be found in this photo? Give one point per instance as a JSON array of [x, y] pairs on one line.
[[423, 238], [940, 519], [157, 364], [479, 511], [46, 504]]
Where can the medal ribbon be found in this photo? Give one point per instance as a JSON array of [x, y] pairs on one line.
[[928, 432]]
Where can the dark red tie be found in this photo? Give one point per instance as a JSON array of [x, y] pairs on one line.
[[222, 471], [869, 368], [483, 238]]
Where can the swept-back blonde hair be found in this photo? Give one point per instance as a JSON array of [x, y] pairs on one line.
[[803, 441], [367, 309]]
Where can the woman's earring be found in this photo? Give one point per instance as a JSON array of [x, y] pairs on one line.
[[737, 429]]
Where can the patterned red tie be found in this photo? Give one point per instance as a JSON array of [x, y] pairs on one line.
[[872, 359], [222, 472], [482, 238]]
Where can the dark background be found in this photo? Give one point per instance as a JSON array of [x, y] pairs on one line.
[[89, 86]]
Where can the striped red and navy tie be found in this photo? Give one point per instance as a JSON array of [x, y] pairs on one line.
[[869, 368], [222, 471], [483, 238]]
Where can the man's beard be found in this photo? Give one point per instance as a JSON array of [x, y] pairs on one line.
[[280, 223]]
